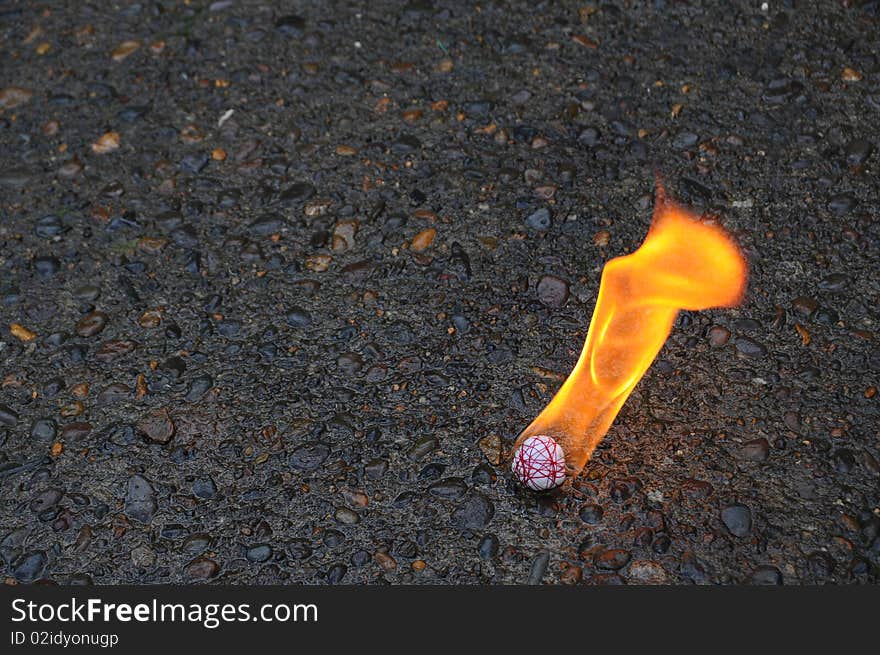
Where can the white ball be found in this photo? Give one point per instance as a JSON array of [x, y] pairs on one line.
[[539, 463]]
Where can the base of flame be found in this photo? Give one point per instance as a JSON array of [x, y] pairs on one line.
[[539, 463]]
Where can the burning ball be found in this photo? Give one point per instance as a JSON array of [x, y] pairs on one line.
[[539, 463]]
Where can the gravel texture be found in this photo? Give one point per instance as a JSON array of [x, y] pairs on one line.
[[280, 283]]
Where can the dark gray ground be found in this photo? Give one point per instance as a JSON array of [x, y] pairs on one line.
[[328, 375]]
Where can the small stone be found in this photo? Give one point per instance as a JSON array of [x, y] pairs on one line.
[[552, 291], [647, 572], [540, 220], [738, 519], [309, 456], [474, 513], [318, 263], [157, 426], [602, 238], [21, 333], [30, 567], [344, 233], [114, 349], [612, 559], [355, 498], [346, 516], [766, 575], [124, 49], [46, 266], [538, 567], [423, 240], [850, 75], [143, 556], [488, 547], [858, 151], [685, 140], [291, 25], [584, 41], [194, 163], [718, 336], [107, 143], [386, 561], [259, 553], [750, 348], [298, 317], [299, 549], [198, 388], [491, 447], [140, 499], [70, 168], [45, 500], [44, 429], [448, 488], [204, 487], [591, 514], [8, 416], [571, 575], [202, 568], [91, 324], [50, 227], [821, 564], [841, 204], [14, 177], [376, 468], [422, 448], [151, 245], [150, 319], [834, 282], [696, 488], [75, 432], [804, 306], [296, 193], [757, 450], [14, 96]]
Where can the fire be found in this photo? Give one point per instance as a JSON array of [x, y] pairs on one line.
[[682, 264]]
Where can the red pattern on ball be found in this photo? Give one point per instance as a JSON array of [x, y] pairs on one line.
[[536, 463]]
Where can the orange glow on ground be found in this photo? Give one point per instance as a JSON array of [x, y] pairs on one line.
[[682, 264]]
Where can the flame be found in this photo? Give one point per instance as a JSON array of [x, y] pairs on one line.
[[682, 264]]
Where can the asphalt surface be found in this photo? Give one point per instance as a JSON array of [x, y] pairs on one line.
[[276, 278]]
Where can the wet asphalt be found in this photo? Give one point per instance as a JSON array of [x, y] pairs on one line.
[[281, 282]]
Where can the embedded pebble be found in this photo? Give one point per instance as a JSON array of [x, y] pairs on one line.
[[738, 519], [756, 450], [750, 348], [718, 336], [259, 553], [591, 514], [202, 568], [157, 426], [14, 96], [647, 572], [91, 324], [540, 220], [475, 512], [143, 556], [552, 291], [140, 499], [612, 559], [309, 457]]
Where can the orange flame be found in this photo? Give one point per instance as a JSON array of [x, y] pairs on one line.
[[683, 264]]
